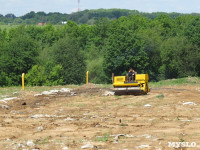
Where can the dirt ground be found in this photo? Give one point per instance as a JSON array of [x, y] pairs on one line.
[[86, 117]]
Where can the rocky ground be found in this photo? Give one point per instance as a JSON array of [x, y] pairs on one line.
[[89, 117]]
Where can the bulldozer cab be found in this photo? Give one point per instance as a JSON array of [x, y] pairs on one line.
[[130, 76]]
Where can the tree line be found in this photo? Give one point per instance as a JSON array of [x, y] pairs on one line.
[[163, 47], [82, 17]]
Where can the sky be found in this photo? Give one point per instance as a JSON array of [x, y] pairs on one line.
[[21, 7]]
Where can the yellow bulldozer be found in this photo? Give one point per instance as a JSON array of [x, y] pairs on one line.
[[136, 84]]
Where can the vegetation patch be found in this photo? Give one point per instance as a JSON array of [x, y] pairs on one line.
[[103, 138], [160, 96], [174, 82]]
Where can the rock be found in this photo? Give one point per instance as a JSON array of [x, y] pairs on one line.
[[69, 119], [109, 93], [24, 103], [65, 148], [88, 145], [186, 120], [4, 106], [147, 105], [11, 98], [45, 116], [147, 136], [50, 92], [30, 143], [129, 136], [53, 92], [40, 128], [20, 145], [8, 99], [118, 135], [37, 94], [65, 90], [142, 146], [96, 147], [37, 116], [189, 103], [4, 96], [73, 93]]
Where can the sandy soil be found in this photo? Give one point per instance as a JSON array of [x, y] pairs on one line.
[[70, 120]]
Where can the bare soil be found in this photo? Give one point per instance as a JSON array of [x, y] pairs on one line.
[[85, 116]]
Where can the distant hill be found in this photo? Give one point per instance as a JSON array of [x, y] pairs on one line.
[[82, 17]]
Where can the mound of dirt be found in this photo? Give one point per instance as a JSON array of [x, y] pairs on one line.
[[89, 89], [87, 86], [35, 100]]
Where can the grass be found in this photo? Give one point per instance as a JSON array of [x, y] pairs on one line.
[[118, 97], [123, 124], [14, 91], [182, 140], [174, 82], [103, 138], [160, 95], [42, 141]]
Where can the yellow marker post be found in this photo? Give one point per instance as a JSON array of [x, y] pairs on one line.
[[87, 75], [23, 76]]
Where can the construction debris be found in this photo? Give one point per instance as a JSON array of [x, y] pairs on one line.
[[53, 92], [88, 145], [39, 129], [69, 119], [109, 93], [189, 103], [8, 99], [30, 143], [117, 136], [4, 106], [147, 105], [142, 146]]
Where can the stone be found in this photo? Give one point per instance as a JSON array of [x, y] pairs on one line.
[[30, 143]]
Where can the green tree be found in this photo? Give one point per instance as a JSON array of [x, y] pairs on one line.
[[55, 76], [19, 55], [94, 63], [36, 76], [124, 48], [180, 58], [192, 31], [152, 39], [66, 53]]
